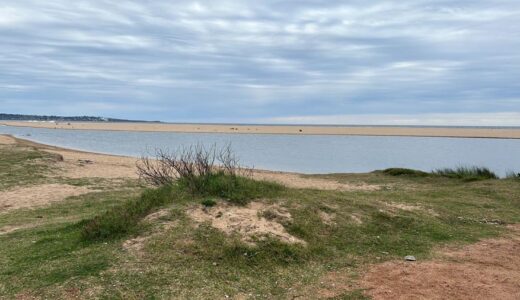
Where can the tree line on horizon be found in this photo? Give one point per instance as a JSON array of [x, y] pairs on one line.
[[21, 117]]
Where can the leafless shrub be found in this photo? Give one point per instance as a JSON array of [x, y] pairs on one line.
[[190, 164]]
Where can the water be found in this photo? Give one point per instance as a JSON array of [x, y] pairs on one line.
[[300, 153]]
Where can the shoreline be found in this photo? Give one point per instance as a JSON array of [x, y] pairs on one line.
[[119, 166], [497, 133]]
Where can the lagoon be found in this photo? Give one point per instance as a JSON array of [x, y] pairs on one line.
[[311, 154]]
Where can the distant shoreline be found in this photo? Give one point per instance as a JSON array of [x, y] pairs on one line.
[[413, 131]]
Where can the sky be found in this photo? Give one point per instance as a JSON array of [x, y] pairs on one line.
[[409, 62]]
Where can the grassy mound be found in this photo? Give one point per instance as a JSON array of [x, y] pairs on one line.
[[404, 172], [123, 219]]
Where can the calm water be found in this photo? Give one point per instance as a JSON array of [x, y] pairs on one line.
[[305, 154]]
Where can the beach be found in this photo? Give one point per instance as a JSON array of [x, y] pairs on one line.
[[455, 132]]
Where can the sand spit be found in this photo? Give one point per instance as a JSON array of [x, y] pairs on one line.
[[280, 129]]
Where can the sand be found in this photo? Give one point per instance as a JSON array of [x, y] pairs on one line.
[[39, 195], [280, 129], [247, 221]]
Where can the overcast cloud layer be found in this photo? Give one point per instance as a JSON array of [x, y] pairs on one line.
[[307, 61]]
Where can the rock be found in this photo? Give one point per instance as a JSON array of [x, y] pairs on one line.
[[410, 258]]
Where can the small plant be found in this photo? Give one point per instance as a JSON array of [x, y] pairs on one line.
[[467, 173], [206, 172], [193, 165], [209, 202]]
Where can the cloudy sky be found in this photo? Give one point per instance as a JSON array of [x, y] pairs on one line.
[[306, 61]]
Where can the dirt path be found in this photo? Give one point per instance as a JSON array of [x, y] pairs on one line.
[[489, 269]]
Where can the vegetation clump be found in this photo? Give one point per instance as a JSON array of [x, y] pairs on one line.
[[209, 202], [467, 173], [404, 172], [205, 171]]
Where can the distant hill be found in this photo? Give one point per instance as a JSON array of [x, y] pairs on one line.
[[18, 117]]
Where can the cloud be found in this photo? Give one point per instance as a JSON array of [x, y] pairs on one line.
[[234, 60]]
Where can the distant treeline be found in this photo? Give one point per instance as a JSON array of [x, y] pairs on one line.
[[17, 117]]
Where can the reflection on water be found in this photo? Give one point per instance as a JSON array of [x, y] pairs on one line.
[[305, 154]]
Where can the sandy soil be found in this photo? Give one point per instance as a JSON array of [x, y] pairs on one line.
[[7, 140], [26, 197], [489, 269], [295, 180], [247, 221], [279, 129]]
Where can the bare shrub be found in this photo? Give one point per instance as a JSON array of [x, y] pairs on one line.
[[190, 164]]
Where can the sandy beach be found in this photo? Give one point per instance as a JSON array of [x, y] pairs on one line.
[[279, 129]]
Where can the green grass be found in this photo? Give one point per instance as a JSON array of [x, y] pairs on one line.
[[123, 219], [235, 189], [467, 173], [21, 166], [75, 248]]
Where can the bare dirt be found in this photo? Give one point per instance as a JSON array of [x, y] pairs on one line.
[[294, 180], [39, 195], [410, 207], [247, 221], [489, 269]]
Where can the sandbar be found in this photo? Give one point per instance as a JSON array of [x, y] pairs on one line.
[[456, 132]]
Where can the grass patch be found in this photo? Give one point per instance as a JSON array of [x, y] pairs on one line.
[[123, 219], [467, 173], [20, 166], [235, 189], [404, 172]]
